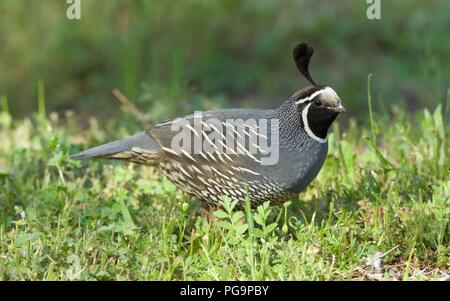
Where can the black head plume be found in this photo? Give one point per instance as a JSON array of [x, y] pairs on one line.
[[302, 54]]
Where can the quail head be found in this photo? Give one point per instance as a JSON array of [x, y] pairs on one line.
[[265, 155]]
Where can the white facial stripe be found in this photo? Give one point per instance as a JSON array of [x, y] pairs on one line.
[[309, 97], [327, 93], [306, 126]]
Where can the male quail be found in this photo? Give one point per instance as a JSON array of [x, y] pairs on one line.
[[232, 155]]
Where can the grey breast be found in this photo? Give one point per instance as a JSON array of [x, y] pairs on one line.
[[298, 166]]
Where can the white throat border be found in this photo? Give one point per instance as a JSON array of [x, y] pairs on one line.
[[308, 129]]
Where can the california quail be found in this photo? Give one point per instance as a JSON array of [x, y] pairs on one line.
[[267, 155]]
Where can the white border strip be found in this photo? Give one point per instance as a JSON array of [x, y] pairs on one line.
[[306, 126], [309, 97]]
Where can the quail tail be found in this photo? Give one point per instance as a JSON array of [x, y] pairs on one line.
[[139, 148]]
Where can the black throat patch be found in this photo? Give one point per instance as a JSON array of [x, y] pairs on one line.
[[320, 119]]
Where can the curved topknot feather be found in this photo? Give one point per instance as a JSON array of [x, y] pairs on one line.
[[302, 54]]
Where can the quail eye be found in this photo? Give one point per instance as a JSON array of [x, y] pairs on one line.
[[317, 102]]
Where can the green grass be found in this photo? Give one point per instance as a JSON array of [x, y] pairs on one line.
[[379, 209]]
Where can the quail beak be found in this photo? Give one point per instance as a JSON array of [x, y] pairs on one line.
[[340, 108]]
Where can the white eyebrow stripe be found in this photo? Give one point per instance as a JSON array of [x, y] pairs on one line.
[[309, 97], [306, 126]]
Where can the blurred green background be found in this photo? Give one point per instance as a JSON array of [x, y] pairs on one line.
[[170, 57]]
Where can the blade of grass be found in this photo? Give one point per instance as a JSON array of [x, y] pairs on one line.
[[41, 100], [5, 105], [373, 142], [446, 108], [369, 100], [249, 214], [408, 263]]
